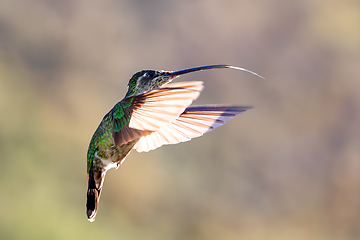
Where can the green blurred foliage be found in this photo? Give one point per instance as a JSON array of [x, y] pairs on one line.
[[288, 169]]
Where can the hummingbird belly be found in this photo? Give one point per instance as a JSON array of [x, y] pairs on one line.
[[107, 163], [113, 157]]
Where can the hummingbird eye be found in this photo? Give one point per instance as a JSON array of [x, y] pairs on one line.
[[150, 74]]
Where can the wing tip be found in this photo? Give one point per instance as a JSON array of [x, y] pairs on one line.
[[220, 108]]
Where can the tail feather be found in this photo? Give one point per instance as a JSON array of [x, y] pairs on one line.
[[93, 194]]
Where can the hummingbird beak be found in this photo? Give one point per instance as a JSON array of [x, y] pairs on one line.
[[195, 69]]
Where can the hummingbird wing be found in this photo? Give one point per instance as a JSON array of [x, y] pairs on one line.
[[192, 123], [140, 115]]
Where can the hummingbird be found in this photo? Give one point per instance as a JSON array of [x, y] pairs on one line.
[[154, 112]]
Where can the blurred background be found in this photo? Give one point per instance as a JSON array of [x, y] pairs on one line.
[[287, 169]]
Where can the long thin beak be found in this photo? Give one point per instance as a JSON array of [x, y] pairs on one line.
[[195, 69]]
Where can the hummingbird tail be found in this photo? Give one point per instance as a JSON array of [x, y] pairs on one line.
[[93, 194]]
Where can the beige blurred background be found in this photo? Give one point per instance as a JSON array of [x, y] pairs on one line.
[[287, 169]]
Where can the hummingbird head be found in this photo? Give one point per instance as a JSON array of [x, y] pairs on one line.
[[146, 80]]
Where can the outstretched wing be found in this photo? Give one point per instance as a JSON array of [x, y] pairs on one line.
[[192, 123], [140, 115]]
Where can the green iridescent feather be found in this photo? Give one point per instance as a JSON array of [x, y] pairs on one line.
[[114, 121]]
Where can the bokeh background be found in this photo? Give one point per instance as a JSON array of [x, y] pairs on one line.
[[287, 169]]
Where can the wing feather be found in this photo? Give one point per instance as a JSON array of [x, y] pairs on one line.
[[193, 122], [149, 111], [161, 106]]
